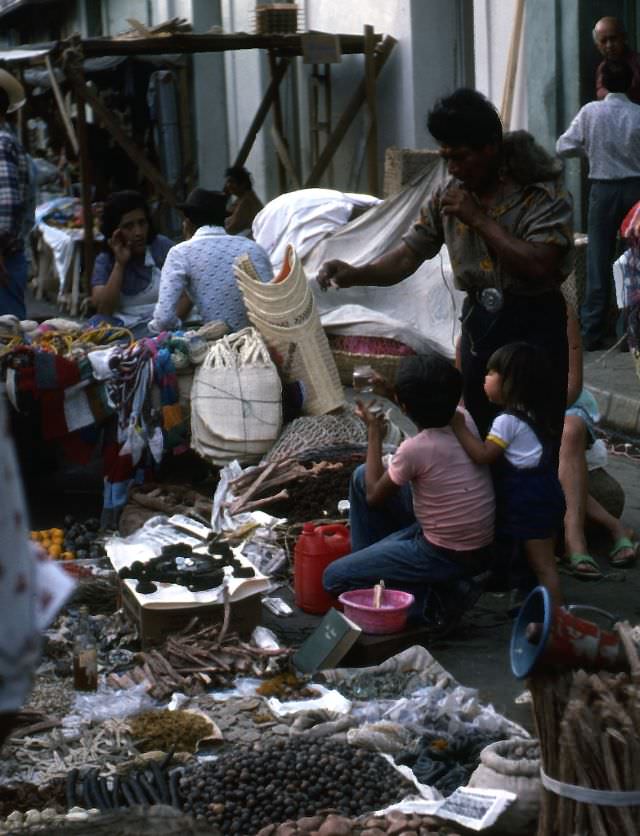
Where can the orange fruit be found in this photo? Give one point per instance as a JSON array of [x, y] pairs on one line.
[[55, 550], [57, 538], [45, 543], [56, 532], [35, 535], [68, 555]]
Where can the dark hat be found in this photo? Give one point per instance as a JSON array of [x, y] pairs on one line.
[[205, 202]]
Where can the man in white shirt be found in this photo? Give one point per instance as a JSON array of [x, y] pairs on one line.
[[608, 134], [202, 266]]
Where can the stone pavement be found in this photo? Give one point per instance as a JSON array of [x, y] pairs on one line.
[[612, 378]]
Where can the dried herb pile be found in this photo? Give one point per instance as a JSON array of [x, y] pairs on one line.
[[162, 730]]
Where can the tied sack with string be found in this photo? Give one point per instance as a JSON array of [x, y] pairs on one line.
[[236, 400]]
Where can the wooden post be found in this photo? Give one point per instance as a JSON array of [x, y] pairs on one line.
[[85, 175], [278, 121], [512, 66], [372, 110], [66, 121], [349, 113], [186, 127], [261, 113]]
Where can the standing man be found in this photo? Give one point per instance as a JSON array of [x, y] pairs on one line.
[[506, 220], [608, 134], [610, 39], [202, 266], [247, 204], [14, 193]]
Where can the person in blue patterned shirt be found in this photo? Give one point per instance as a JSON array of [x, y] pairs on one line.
[[202, 266], [14, 187]]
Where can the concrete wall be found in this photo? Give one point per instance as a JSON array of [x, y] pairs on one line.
[[116, 12], [431, 57], [493, 27]]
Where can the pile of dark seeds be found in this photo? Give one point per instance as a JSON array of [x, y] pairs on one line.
[[313, 499], [243, 792]]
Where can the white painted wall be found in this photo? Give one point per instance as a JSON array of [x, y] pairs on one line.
[[493, 25], [116, 12]]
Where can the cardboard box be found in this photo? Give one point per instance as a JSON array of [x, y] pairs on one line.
[[155, 624], [328, 643]]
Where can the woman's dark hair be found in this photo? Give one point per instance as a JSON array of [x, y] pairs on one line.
[[525, 370], [428, 386], [616, 76], [466, 117], [117, 205], [240, 174], [526, 161]]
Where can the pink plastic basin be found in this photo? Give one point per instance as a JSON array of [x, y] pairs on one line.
[[390, 617]]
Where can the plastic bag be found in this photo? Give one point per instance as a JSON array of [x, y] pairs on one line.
[[107, 704]]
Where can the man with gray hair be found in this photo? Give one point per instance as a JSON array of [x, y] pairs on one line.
[[610, 38]]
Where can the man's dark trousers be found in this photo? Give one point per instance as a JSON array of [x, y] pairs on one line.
[[609, 202]]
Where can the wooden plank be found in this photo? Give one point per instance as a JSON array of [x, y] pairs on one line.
[[372, 109], [85, 186], [181, 43], [512, 66], [66, 121], [349, 113], [147, 169], [278, 123], [261, 113], [284, 158]]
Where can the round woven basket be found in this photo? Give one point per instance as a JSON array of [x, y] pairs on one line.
[[384, 364]]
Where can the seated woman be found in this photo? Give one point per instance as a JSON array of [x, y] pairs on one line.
[[577, 437], [126, 278]]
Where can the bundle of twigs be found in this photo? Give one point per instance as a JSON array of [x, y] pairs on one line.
[[264, 479], [198, 659], [589, 731]]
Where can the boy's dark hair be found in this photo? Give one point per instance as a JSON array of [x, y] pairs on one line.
[[428, 386], [616, 76], [525, 370], [240, 174], [119, 204], [466, 117]]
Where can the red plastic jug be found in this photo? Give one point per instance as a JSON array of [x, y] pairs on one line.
[[316, 548]]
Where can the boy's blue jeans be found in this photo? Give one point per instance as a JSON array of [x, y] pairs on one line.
[[388, 544]]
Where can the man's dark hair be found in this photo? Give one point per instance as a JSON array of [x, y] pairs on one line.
[[4, 101], [119, 204], [616, 76], [428, 386], [240, 174], [200, 217], [466, 117]]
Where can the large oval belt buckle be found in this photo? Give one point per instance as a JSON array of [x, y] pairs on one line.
[[491, 299]]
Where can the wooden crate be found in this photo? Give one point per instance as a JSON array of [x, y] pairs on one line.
[[155, 625]]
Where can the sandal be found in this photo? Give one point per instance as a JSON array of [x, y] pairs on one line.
[[576, 560], [628, 549]]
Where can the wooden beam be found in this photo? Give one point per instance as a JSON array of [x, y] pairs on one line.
[[372, 110], [261, 113], [383, 51], [190, 44], [66, 121], [278, 123], [283, 156], [147, 169]]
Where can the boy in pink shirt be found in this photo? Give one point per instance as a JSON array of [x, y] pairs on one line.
[[426, 523]]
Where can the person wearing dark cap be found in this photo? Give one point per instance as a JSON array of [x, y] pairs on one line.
[[247, 204], [202, 266]]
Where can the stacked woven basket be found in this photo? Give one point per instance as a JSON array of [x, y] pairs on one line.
[[284, 312]]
